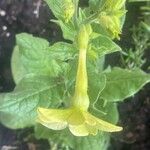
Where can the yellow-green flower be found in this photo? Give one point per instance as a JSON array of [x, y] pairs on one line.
[[110, 16], [80, 122], [77, 118]]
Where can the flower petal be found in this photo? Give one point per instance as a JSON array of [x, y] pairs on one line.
[[53, 118], [83, 130], [54, 125], [79, 130], [89, 119], [92, 130], [100, 124], [107, 127]]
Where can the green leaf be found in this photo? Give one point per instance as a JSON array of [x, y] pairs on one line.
[[96, 85], [29, 45], [59, 137], [106, 111], [123, 83], [56, 7], [18, 108], [61, 51], [103, 45], [64, 137], [111, 110], [98, 142], [62, 9], [36, 56], [68, 29], [17, 68]]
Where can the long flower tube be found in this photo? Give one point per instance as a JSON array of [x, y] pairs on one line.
[[77, 118]]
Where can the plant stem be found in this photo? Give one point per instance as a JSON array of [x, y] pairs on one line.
[[76, 2], [90, 19]]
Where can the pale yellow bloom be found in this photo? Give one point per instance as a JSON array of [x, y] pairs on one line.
[[110, 16], [77, 117], [79, 122]]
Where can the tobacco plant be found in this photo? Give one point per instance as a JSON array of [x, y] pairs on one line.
[[62, 89]]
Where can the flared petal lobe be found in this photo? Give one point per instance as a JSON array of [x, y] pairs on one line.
[[57, 119], [92, 125], [80, 122], [100, 124], [53, 118]]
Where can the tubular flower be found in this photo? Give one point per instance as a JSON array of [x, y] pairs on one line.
[[110, 16], [77, 117]]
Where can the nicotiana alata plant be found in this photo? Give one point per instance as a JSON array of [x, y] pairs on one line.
[[62, 89]]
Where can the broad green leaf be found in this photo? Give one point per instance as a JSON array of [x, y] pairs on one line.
[[107, 111], [62, 9], [33, 54], [17, 68], [36, 56], [111, 110], [123, 83], [18, 108], [59, 137], [69, 30], [56, 7], [98, 142], [96, 85], [103, 45], [29, 45], [64, 137], [62, 51]]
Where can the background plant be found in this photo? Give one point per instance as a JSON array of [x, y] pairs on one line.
[[45, 70], [134, 57]]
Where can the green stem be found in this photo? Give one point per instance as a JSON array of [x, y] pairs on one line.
[[91, 19], [76, 2]]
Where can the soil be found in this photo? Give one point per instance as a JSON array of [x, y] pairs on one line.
[[33, 16]]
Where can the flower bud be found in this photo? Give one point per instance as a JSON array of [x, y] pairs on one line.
[[110, 16], [111, 23], [68, 10]]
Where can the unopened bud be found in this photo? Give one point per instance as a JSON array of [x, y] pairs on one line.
[[111, 23], [110, 16], [69, 10]]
